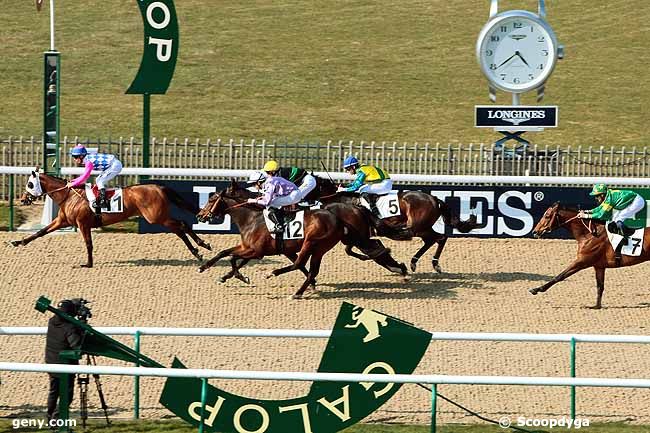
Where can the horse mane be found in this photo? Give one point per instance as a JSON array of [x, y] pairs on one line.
[[53, 177], [564, 207]]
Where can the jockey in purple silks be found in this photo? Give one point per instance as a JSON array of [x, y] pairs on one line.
[[274, 187], [108, 164]]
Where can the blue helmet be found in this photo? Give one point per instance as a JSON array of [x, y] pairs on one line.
[[350, 161], [78, 151]]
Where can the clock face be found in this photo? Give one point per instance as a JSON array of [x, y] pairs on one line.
[[517, 52]]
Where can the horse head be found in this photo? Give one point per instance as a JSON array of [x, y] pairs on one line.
[[33, 189], [218, 203], [212, 209], [555, 217]]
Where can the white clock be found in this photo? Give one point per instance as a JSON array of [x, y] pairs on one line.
[[517, 51]]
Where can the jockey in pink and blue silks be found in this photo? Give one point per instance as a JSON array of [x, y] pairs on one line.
[[108, 164], [274, 188]]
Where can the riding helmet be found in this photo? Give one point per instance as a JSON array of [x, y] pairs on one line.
[[598, 189], [256, 177], [67, 306], [350, 161], [271, 166], [78, 151]]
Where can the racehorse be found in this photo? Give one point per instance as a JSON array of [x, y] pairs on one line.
[[322, 230], [594, 248], [418, 211], [149, 201]]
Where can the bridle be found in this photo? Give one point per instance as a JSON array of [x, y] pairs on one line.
[[217, 201], [556, 217]]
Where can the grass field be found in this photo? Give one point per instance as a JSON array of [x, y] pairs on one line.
[[312, 71], [180, 427]]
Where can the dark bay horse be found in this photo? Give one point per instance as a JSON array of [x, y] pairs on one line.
[[418, 212], [152, 202], [594, 248], [322, 231]]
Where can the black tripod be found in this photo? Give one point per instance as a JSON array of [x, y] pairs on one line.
[[83, 380]]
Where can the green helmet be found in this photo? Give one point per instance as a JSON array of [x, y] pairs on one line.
[[599, 188]]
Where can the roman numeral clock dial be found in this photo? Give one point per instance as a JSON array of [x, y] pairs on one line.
[[517, 51]]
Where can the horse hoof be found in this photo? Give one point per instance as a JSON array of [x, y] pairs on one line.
[[595, 307], [87, 265], [246, 280], [13, 243], [413, 265], [207, 246], [271, 275], [533, 291], [437, 268], [295, 296], [222, 279]]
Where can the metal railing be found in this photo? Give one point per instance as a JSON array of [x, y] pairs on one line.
[[395, 157], [571, 339]]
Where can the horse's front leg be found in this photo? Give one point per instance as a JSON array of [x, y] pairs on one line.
[[350, 252], [88, 239], [600, 287], [57, 223], [234, 272], [574, 267], [220, 255]]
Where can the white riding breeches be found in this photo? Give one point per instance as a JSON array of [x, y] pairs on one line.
[[298, 195], [105, 176], [630, 211], [383, 187]]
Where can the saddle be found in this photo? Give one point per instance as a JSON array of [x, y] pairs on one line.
[[110, 192]]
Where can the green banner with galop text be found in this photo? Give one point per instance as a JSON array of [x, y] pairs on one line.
[[362, 341], [160, 47]]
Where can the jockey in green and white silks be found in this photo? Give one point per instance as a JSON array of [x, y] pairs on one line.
[[618, 205]]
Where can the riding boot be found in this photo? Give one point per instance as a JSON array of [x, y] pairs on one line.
[[103, 202], [372, 202], [277, 216]]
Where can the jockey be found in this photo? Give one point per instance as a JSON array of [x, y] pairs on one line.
[[616, 205], [370, 182], [274, 187], [108, 164], [299, 176]]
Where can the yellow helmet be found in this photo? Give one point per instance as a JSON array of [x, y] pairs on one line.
[[271, 166]]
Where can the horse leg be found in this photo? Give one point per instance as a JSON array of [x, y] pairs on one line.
[[293, 257], [600, 287], [572, 269], [56, 224], [301, 260], [220, 255], [434, 261], [234, 272], [428, 240], [88, 239], [349, 251], [314, 269], [200, 242], [176, 227]]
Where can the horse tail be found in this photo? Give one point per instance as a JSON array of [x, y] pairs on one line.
[[176, 198], [451, 219]]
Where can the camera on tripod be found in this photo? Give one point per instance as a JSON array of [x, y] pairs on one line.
[[77, 308]]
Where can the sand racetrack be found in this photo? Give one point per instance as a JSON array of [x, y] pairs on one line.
[[151, 280]]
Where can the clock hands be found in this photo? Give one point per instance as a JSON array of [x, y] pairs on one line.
[[508, 59], [517, 53]]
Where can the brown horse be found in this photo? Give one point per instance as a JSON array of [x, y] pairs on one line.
[[418, 212], [149, 201], [322, 231], [594, 248]]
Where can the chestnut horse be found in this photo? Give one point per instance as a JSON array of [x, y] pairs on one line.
[[418, 212], [149, 201], [594, 248], [322, 231]]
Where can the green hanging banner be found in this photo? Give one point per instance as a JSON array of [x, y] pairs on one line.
[[160, 47], [362, 341]]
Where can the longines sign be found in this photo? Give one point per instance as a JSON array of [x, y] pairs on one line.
[[491, 116], [501, 211]]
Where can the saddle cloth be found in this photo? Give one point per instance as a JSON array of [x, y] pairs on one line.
[[114, 196], [387, 204], [634, 245], [294, 225]]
